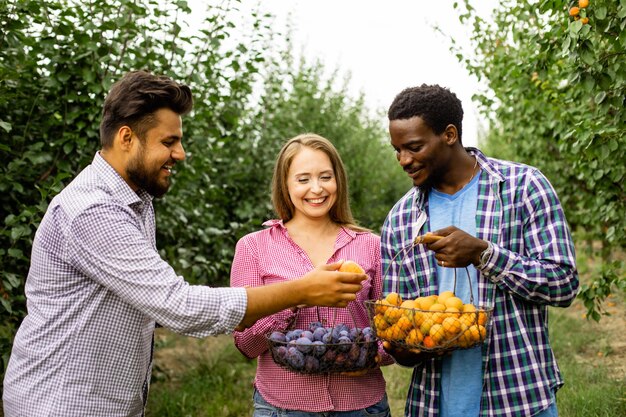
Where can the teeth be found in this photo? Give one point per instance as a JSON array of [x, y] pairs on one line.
[[317, 200]]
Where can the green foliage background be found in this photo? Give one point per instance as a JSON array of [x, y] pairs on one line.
[[556, 99], [57, 61]]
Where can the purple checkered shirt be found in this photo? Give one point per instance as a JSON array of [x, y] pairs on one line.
[[95, 289], [532, 267]]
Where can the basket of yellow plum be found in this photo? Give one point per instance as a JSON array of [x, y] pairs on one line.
[[435, 323]]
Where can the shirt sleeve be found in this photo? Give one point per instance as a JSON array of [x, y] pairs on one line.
[[106, 243], [546, 272], [246, 272]]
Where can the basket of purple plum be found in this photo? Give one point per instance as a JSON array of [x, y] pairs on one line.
[[321, 349]]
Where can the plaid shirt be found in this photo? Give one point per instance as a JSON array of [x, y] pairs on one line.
[[95, 288], [270, 255], [532, 267]]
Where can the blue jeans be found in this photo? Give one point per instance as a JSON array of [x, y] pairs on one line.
[[263, 409], [550, 411]]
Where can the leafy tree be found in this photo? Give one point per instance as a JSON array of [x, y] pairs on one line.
[[556, 100], [58, 58]]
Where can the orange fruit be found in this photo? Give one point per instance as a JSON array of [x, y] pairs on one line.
[[477, 333], [426, 325], [414, 337], [482, 318], [382, 334], [441, 299], [380, 306], [455, 302], [428, 342], [408, 304], [380, 323], [574, 11], [394, 299], [351, 266], [452, 326], [418, 317], [469, 318], [465, 339], [437, 333], [468, 308], [393, 314], [584, 20], [426, 302], [395, 333], [404, 323], [452, 312], [583, 3], [438, 314]]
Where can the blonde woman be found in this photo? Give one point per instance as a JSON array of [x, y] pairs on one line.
[[314, 227]]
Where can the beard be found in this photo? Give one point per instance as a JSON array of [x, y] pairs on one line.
[[145, 179]]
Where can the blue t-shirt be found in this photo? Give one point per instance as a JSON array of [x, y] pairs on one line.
[[461, 373]]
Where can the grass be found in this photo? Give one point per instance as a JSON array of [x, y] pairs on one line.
[[216, 382], [593, 387]]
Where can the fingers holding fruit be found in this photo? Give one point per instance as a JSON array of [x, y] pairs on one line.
[[351, 266], [327, 285], [453, 247]]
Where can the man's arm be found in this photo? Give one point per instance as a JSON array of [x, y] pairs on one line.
[[323, 286]]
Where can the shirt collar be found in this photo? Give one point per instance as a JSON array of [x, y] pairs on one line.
[[117, 184], [483, 162], [278, 223]]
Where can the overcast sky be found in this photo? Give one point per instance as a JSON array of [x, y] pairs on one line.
[[386, 46]]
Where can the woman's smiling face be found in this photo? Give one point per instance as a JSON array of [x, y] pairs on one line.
[[311, 183]]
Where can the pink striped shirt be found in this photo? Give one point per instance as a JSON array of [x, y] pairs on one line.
[[270, 255]]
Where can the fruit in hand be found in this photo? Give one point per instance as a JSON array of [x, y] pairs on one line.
[[351, 266]]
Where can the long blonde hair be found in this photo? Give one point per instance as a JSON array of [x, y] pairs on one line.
[[340, 213]]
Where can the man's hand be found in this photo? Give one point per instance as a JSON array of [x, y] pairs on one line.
[[325, 286], [457, 249], [408, 357]]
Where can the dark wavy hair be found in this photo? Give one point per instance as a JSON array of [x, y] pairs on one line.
[[133, 100], [436, 105]]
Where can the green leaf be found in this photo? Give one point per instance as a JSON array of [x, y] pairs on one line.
[[15, 253], [600, 13], [5, 125], [13, 280], [599, 98], [575, 27], [7, 305]]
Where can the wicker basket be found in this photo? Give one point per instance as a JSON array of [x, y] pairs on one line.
[[324, 349], [427, 324]]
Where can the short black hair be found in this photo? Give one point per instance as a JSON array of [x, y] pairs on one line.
[[133, 100], [436, 105]]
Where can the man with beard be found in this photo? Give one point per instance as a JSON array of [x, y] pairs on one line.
[[97, 285]]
